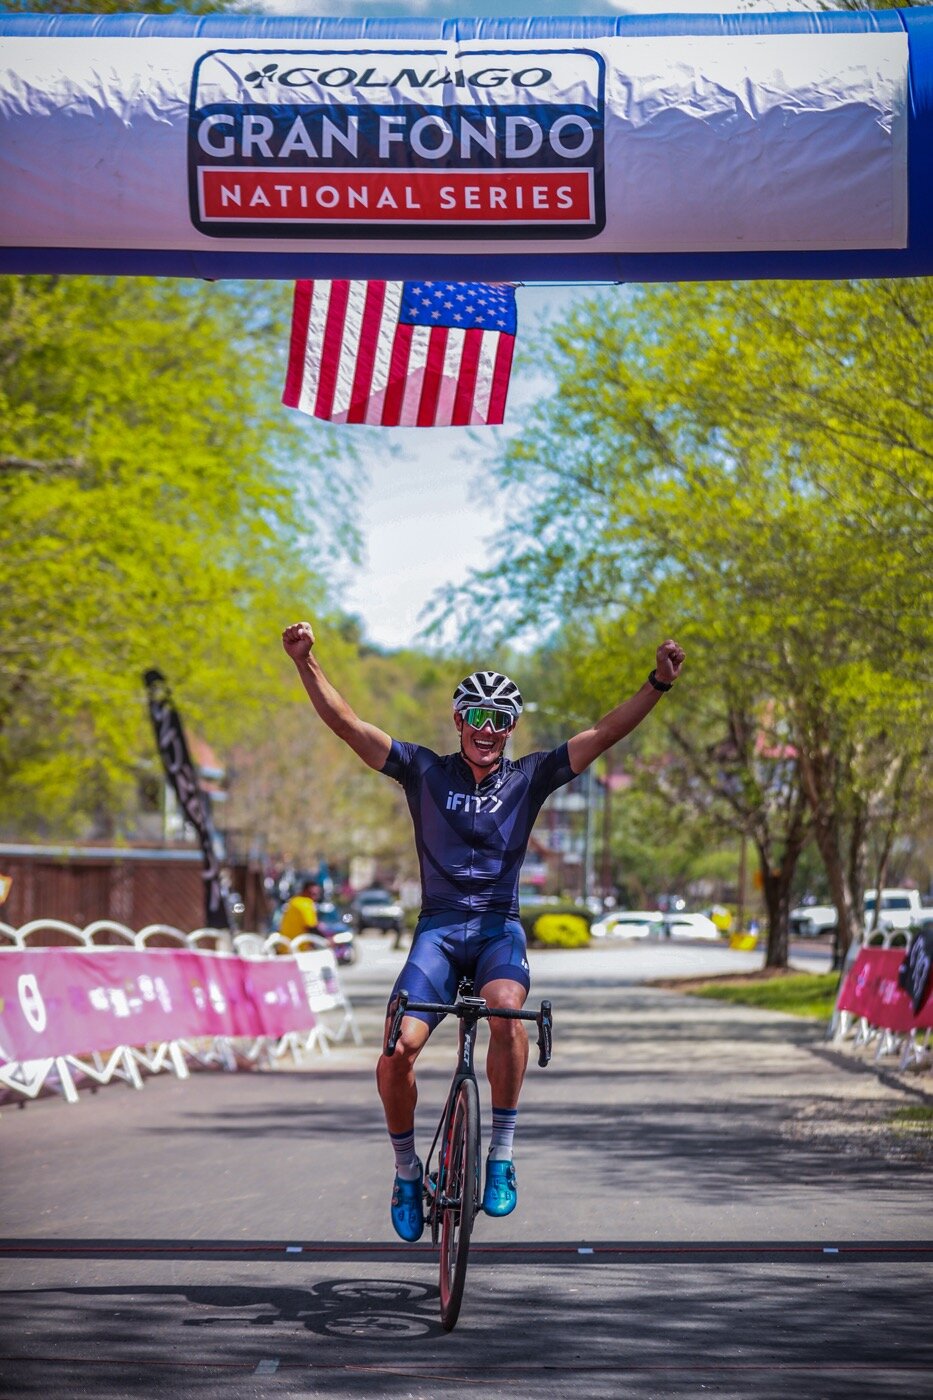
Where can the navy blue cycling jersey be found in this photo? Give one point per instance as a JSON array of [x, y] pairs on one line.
[[472, 837]]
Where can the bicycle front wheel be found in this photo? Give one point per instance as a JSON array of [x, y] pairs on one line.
[[460, 1200]]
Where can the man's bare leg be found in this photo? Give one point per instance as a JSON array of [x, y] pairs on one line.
[[507, 1057], [395, 1074], [505, 1067]]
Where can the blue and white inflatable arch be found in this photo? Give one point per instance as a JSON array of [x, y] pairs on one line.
[[633, 149]]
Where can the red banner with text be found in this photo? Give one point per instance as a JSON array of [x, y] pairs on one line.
[[65, 1001], [872, 989]]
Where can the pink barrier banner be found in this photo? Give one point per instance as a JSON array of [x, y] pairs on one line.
[[65, 1001], [872, 990]]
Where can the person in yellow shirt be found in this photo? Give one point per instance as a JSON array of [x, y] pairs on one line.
[[300, 914]]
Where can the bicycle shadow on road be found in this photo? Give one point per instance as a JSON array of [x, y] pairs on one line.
[[379, 1309], [376, 1308]]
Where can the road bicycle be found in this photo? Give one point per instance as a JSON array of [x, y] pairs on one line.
[[452, 1189]]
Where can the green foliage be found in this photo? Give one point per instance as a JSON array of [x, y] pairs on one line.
[[799, 994], [918, 1114], [749, 468], [559, 928], [156, 511]]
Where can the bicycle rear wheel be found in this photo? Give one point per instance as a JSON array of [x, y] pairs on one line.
[[460, 1198]]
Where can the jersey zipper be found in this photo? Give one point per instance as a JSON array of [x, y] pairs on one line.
[[473, 836]]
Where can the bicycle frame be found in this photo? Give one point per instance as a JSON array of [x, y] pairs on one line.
[[470, 1011], [451, 1212]]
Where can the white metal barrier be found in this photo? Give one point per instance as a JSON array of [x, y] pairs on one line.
[[64, 1073]]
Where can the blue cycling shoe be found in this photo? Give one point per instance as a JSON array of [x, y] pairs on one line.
[[501, 1193], [407, 1209]]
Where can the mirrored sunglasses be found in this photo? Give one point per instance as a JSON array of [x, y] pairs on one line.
[[478, 715]]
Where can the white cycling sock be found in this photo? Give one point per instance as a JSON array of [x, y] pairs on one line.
[[503, 1133], [407, 1164]]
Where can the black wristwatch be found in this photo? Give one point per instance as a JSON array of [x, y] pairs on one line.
[[659, 685]]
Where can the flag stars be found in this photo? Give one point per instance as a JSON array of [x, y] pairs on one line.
[[461, 304]]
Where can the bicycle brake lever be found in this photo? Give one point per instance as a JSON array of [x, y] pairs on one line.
[[396, 1030], [545, 1037]]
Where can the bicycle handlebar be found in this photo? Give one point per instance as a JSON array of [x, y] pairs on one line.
[[476, 1008]]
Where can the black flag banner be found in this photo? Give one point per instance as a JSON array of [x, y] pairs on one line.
[[914, 973], [170, 738]]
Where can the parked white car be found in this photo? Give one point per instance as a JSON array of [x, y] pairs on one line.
[[900, 908], [810, 920], [690, 926], [630, 923]]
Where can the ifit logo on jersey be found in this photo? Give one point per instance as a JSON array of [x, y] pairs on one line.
[[398, 143], [472, 802]]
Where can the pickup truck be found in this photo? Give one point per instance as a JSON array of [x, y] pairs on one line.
[[899, 909]]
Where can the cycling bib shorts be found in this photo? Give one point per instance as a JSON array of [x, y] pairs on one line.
[[484, 947]]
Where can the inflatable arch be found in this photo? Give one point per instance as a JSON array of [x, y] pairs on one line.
[[670, 147]]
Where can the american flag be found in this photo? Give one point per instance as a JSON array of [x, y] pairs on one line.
[[401, 354]]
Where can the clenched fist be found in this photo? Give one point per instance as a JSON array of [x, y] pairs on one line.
[[298, 639], [670, 659]]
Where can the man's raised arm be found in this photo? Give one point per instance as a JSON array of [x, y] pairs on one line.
[[586, 746], [370, 743]]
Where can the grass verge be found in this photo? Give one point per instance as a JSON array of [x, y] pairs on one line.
[[913, 1119], [798, 993]]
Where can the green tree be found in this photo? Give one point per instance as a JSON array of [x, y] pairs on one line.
[[750, 468], [708, 769], [156, 507]]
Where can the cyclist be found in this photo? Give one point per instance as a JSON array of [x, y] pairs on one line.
[[472, 812]]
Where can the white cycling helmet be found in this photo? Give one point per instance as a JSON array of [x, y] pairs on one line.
[[488, 688]]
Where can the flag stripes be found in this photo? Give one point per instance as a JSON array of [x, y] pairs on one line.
[[366, 352]]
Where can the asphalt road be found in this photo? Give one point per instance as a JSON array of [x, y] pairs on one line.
[[705, 1208]]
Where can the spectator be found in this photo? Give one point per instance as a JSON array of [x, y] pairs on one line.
[[300, 914]]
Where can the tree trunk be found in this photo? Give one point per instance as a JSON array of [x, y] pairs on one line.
[[777, 903], [777, 882], [819, 769], [827, 839], [887, 841], [858, 859]]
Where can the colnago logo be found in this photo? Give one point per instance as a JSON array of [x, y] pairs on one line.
[[398, 144]]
